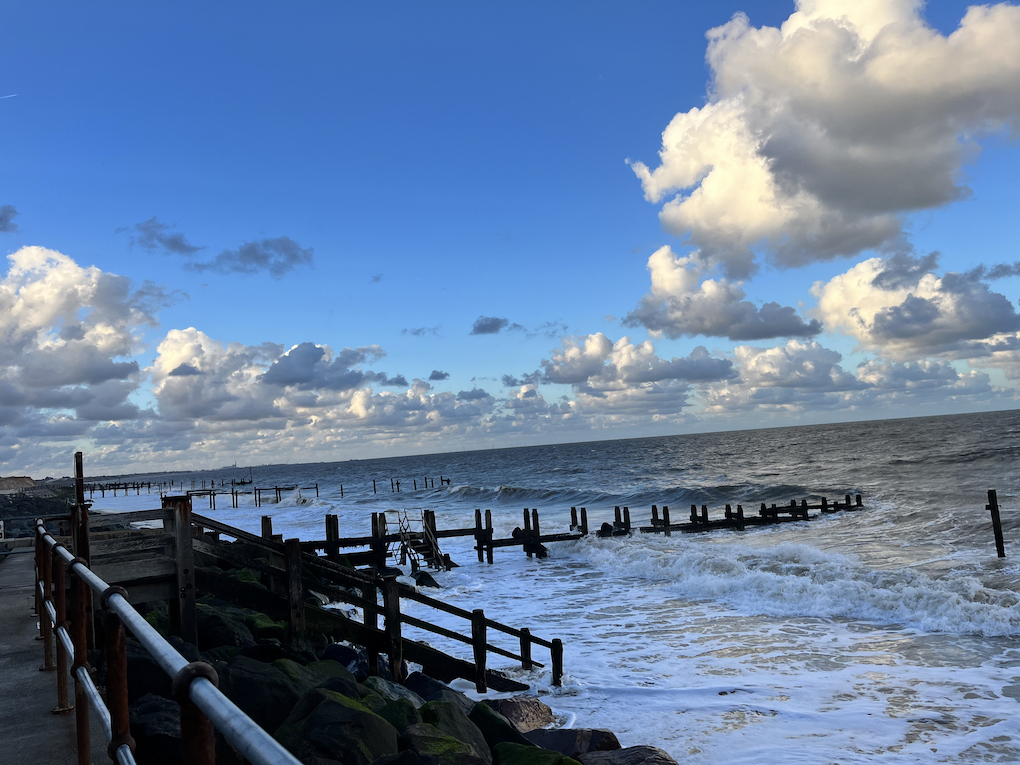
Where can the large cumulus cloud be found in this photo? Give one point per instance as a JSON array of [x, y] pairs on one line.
[[820, 135]]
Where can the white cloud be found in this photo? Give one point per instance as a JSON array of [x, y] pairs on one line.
[[820, 135], [908, 312], [681, 304]]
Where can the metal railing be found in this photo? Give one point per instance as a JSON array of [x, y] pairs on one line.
[[203, 706]]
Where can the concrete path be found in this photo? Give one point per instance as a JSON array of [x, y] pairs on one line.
[[30, 732]]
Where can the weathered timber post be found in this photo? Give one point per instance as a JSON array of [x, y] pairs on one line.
[[534, 523], [557, 661], [847, 501], [374, 490], [267, 527], [993, 506], [740, 517], [394, 643], [478, 641], [415, 484], [488, 536], [526, 648], [584, 521], [665, 521], [860, 500], [185, 559], [694, 513], [370, 617], [116, 681], [479, 535], [391, 486], [704, 513], [332, 536], [825, 505], [626, 518], [79, 640], [60, 609], [295, 588], [573, 518], [655, 515], [617, 519]]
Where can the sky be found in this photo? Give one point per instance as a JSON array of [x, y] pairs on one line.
[[262, 233]]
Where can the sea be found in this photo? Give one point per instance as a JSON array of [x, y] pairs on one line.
[[891, 633]]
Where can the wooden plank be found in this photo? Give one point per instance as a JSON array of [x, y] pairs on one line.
[[130, 544], [108, 519], [150, 568]]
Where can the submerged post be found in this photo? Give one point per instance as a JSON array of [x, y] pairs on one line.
[[488, 536], [665, 521], [479, 534], [573, 518], [584, 521], [993, 506]]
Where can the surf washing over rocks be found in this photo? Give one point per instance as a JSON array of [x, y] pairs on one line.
[[891, 632]]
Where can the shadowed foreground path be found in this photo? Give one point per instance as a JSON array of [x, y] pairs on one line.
[[30, 732]]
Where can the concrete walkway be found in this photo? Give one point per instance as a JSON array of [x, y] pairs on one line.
[[30, 732]]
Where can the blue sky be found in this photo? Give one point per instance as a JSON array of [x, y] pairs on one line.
[[379, 178]]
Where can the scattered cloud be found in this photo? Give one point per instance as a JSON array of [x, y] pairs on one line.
[[488, 325], [819, 136], [376, 278], [680, 304], [7, 215], [155, 236], [901, 309], [276, 256], [420, 331], [438, 376]]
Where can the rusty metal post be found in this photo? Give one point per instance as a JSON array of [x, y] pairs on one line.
[[46, 576], [116, 680], [82, 543], [79, 639], [60, 608], [198, 744]]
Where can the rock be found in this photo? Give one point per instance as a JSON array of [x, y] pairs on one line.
[[424, 579], [517, 754], [632, 755], [156, 729], [218, 627], [495, 728], [436, 747], [341, 685], [401, 714], [262, 691], [265, 650], [145, 677], [262, 627], [328, 724], [433, 690], [526, 713], [406, 757], [574, 742], [187, 650], [393, 691], [223, 653], [449, 717], [313, 674], [341, 653]]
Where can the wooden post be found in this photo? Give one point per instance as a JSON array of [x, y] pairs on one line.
[[478, 641], [557, 661], [825, 505], [694, 513], [527, 525], [295, 588], [526, 648], [370, 618], [479, 535], [267, 527], [374, 490], [860, 501], [584, 521], [993, 506], [704, 513], [665, 521], [626, 518], [573, 518], [394, 644], [617, 520], [185, 558], [415, 484], [740, 517], [488, 536], [534, 522]]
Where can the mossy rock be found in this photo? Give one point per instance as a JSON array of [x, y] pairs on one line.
[[495, 728], [312, 674], [263, 628], [401, 714], [434, 746], [518, 754], [221, 626], [448, 717], [328, 724], [262, 691]]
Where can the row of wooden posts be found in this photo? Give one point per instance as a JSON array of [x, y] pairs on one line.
[[166, 487]]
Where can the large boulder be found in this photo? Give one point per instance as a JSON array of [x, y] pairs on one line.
[[401, 714], [262, 691], [525, 712], [449, 717], [393, 691], [144, 676], [221, 627], [632, 755], [328, 724], [312, 674], [517, 754], [438, 748], [433, 690], [574, 742], [156, 729], [495, 728]]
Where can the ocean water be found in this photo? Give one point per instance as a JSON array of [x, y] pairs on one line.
[[892, 632]]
